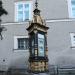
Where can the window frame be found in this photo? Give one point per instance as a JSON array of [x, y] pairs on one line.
[[16, 42], [30, 9], [22, 43], [70, 9], [72, 37]]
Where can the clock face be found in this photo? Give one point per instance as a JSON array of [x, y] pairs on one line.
[[40, 45]]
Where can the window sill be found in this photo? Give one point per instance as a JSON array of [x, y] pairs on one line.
[[73, 47], [20, 50]]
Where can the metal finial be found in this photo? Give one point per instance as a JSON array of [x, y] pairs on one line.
[[36, 4], [0, 2]]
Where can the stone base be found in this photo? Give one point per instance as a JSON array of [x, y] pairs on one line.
[[38, 72], [38, 66], [24, 72], [42, 74]]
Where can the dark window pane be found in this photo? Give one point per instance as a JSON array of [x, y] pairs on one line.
[[26, 15], [20, 6], [73, 2], [22, 43], [27, 6]]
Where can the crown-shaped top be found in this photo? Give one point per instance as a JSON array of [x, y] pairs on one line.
[[37, 17], [37, 23]]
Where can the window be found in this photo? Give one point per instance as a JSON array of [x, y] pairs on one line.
[[21, 42], [72, 35], [23, 11], [41, 45], [71, 8]]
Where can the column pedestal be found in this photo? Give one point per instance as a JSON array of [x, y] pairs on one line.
[[42, 74]]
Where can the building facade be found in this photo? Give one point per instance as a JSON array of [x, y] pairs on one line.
[[59, 16]]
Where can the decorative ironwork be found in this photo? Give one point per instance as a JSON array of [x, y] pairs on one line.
[[2, 12]]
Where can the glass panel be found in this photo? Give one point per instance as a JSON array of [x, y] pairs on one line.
[[73, 13], [26, 12], [73, 7], [26, 15], [22, 43], [33, 46], [27, 43], [26, 6], [41, 44], [20, 15], [73, 2], [20, 6], [72, 39], [23, 11]]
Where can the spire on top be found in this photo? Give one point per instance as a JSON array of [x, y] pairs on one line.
[[36, 4], [37, 16], [36, 10]]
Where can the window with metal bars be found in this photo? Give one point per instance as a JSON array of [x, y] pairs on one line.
[[23, 43]]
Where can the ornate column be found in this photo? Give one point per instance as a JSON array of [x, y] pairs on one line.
[[37, 30]]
